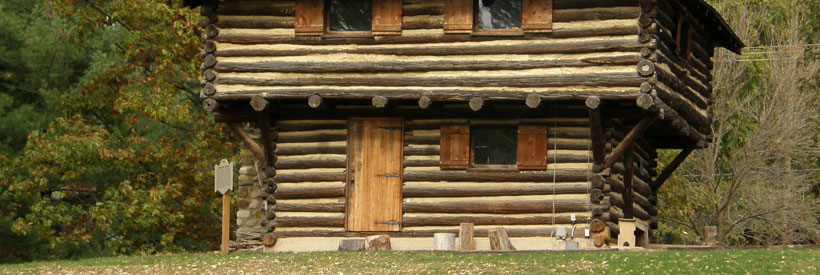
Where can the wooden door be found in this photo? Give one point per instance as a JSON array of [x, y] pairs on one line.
[[374, 171]]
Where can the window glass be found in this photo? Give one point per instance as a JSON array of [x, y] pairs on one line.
[[498, 14], [349, 15], [494, 145]]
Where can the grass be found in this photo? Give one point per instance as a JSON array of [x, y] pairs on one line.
[[734, 261]]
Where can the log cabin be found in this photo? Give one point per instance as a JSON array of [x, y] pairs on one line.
[[407, 118]]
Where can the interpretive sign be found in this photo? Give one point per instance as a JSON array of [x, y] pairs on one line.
[[223, 176]]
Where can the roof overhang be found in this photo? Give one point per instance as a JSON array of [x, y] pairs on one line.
[[721, 33]]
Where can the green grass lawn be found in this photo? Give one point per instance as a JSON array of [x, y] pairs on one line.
[[735, 261]]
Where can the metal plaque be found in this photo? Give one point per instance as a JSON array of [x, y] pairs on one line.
[[223, 176]]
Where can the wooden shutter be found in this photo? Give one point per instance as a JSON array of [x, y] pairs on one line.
[[386, 17], [310, 17], [532, 147], [536, 16], [458, 16], [455, 147]]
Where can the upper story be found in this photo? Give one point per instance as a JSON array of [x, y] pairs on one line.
[[654, 55]]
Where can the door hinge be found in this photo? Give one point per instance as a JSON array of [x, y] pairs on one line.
[[389, 175], [388, 222], [391, 128]]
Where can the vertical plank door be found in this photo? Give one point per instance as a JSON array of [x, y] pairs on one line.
[[374, 171]]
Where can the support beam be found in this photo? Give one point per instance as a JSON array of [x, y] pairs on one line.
[[667, 172], [596, 133], [261, 106], [627, 195], [629, 140], [257, 151]]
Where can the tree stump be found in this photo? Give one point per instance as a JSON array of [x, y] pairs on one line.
[[356, 244], [377, 243], [499, 240], [444, 242], [710, 235], [465, 237]]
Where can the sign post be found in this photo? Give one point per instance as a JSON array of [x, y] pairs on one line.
[[223, 183]]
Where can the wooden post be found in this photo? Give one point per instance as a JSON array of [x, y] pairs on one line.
[[226, 221], [596, 133], [629, 139], [223, 183], [315, 101], [627, 195], [667, 172], [465, 237]]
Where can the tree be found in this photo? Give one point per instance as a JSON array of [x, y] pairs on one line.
[[750, 182], [122, 160]]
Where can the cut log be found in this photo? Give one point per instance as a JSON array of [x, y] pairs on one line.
[[425, 101], [499, 241], [377, 243], [379, 101], [356, 244], [444, 242], [533, 101], [465, 237], [476, 103], [315, 101], [258, 103], [210, 105]]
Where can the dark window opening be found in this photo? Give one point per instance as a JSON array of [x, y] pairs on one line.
[[350, 15], [495, 146], [498, 14]]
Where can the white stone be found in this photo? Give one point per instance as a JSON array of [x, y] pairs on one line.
[[243, 214]]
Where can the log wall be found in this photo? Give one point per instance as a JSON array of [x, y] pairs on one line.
[[252, 49], [310, 180]]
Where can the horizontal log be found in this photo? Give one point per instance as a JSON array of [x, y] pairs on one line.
[[309, 177], [597, 13], [477, 189], [255, 21], [309, 205], [308, 190], [312, 136], [576, 4], [422, 8], [616, 199], [275, 8], [537, 46], [345, 62], [242, 92], [424, 231], [308, 125], [555, 125], [500, 205], [420, 22], [424, 219], [318, 162], [545, 176], [298, 149], [609, 76], [300, 219]]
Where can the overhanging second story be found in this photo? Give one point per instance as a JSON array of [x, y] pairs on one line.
[[654, 55]]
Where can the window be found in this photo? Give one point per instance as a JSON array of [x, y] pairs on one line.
[[493, 147], [497, 16], [348, 17]]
